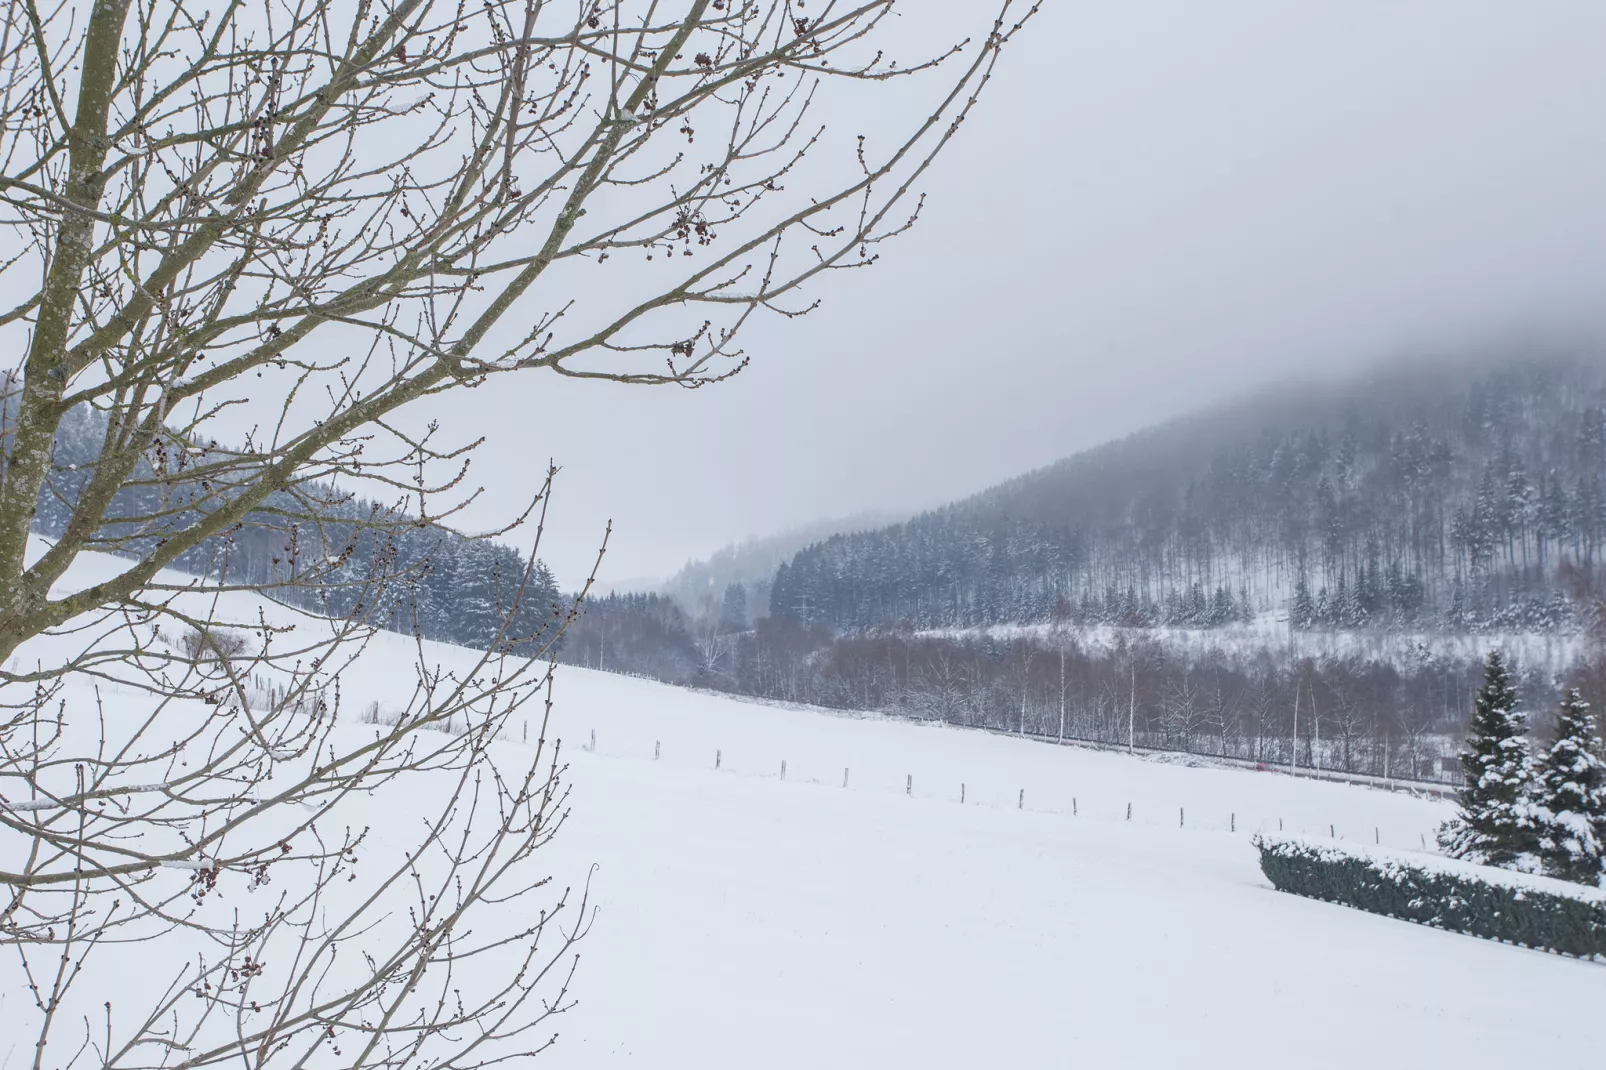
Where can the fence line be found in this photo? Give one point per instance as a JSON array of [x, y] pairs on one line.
[[1408, 785], [1438, 785], [1020, 799]]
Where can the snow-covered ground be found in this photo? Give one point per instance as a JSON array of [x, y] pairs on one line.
[[746, 920]]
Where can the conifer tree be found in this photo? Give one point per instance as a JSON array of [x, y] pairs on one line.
[[1572, 794], [1302, 614], [733, 610], [1497, 824]]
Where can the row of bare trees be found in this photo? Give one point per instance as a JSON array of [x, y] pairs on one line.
[[1390, 716]]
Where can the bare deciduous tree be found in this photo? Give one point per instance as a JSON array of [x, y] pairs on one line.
[[249, 246], [942, 688]]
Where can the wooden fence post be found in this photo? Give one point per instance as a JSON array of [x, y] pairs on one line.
[[1182, 817], [718, 756], [593, 741], [909, 785], [961, 792], [844, 776], [1232, 823], [657, 744], [1129, 811], [783, 768], [1020, 804], [1073, 805]]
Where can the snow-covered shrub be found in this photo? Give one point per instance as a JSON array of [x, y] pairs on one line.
[[1482, 901]]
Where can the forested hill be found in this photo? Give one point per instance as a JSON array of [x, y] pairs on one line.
[[323, 549], [750, 566], [1429, 496]]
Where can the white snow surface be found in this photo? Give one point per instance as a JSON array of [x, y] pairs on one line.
[[749, 921]]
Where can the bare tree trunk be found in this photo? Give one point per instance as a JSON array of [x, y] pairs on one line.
[[1062, 694], [1293, 761], [1132, 712]]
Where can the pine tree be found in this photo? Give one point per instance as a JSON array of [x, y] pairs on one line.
[[479, 590], [1456, 616], [1339, 607], [733, 609], [1497, 824], [1302, 614], [1222, 611], [1572, 795]]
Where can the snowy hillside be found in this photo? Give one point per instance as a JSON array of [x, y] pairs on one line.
[[1416, 498], [749, 920]]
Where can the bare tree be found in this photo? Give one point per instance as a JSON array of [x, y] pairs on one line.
[[1183, 709], [1262, 700], [1022, 653], [944, 685], [250, 246], [1221, 712], [714, 646], [1063, 640], [134, 827], [1345, 684]]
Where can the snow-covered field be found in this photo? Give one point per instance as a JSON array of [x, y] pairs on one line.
[[746, 920], [749, 920]]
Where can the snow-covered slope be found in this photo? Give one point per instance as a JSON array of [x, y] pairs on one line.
[[746, 920]]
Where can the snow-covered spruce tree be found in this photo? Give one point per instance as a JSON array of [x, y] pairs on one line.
[[1571, 789], [1302, 612], [1497, 824]]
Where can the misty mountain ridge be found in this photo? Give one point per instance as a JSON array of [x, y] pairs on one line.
[[751, 563], [1430, 496]]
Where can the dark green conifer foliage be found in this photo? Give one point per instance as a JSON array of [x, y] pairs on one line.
[[1572, 794], [1302, 612], [1497, 824]]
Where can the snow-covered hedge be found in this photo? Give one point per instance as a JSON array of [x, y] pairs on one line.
[[1496, 904]]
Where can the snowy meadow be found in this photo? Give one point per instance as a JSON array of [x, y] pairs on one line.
[[792, 886]]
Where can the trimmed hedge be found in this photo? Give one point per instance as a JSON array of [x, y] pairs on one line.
[[1533, 912]]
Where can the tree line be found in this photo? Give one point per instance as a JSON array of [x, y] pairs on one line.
[[1338, 712]]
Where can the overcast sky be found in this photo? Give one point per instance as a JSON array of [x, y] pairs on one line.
[[1160, 203]]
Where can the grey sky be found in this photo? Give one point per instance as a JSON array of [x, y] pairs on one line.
[[1162, 202]]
